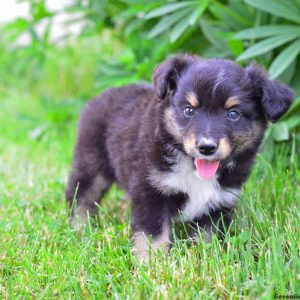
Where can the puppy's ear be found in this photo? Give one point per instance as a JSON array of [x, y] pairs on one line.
[[165, 77], [275, 97]]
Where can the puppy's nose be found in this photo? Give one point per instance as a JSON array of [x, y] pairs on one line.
[[207, 147]]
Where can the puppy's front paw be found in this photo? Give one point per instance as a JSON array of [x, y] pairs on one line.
[[77, 223], [144, 245]]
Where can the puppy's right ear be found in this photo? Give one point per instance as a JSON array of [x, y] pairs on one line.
[[165, 77], [275, 97]]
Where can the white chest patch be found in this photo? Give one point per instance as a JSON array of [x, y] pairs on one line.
[[203, 195]]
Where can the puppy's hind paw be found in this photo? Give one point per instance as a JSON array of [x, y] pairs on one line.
[[80, 219]]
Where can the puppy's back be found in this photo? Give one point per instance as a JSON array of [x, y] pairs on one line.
[[115, 101]]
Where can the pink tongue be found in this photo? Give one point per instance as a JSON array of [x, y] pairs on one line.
[[205, 168]]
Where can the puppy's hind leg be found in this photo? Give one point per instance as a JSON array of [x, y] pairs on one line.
[[91, 174], [84, 195]]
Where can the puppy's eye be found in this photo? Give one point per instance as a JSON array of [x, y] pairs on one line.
[[188, 111], [233, 115]]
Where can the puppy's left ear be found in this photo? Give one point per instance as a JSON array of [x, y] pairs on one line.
[[275, 97], [165, 77]]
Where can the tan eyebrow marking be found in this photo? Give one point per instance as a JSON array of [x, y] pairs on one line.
[[192, 99], [232, 101]]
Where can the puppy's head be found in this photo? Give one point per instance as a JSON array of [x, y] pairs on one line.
[[216, 109]]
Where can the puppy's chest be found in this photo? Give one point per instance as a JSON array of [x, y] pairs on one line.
[[202, 195]]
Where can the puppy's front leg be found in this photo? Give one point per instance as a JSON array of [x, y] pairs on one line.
[[145, 243], [151, 225]]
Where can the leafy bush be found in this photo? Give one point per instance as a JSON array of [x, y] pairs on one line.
[[267, 31]]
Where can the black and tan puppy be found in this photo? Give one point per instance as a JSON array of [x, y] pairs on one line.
[[183, 147]]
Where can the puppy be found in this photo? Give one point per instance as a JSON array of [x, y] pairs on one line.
[[180, 149]]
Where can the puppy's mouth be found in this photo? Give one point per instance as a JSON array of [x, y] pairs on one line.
[[206, 169]]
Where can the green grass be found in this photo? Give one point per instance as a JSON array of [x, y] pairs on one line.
[[41, 257]]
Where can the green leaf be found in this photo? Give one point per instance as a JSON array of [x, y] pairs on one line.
[[133, 25], [228, 15], [167, 21], [179, 29], [277, 8], [295, 106], [209, 31], [284, 59], [198, 12], [280, 131], [39, 131], [164, 10], [47, 32], [243, 10], [236, 46], [16, 28], [213, 52], [267, 45], [293, 122], [288, 74], [265, 31], [267, 152], [191, 18]]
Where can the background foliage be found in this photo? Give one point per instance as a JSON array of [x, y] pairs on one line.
[[265, 31]]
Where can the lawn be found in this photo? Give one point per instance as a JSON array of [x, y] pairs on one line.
[[42, 257]]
